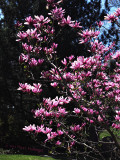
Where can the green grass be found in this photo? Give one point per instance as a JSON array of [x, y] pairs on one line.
[[23, 157], [106, 134]]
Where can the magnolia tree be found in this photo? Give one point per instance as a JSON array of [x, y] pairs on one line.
[[88, 88]]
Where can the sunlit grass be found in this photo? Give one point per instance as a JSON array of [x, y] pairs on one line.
[[23, 157]]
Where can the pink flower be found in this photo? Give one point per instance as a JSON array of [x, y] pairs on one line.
[[23, 58], [75, 128], [90, 120], [117, 98], [28, 20], [90, 111], [117, 126], [40, 61], [54, 45], [83, 108], [67, 21], [18, 24], [36, 88], [24, 87], [100, 119], [72, 143], [40, 129], [39, 112], [117, 55], [21, 35], [54, 103], [59, 132], [76, 110], [58, 143], [54, 84], [41, 19], [57, 13], [30, 128], [48, 130], [51, 3], [117, 118], [37, 50], [33, 62], [50, 122], [51, 135], [75, 25], [118, 112], [99, 24], [28, 48], [71, 57], [58, 125], [27, 87], [117, 12], [111, 17], [64, 61], [62, 111]]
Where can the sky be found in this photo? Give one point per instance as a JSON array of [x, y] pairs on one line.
[[1, 16]]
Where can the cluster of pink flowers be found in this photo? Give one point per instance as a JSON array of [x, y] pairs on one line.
[[31, 61], [76, 128], [117, 118], [113, 17], [90, 89], [58, 14], [87, 35], [36, 88]]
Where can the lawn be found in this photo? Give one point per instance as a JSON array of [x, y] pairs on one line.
[[23, 157]]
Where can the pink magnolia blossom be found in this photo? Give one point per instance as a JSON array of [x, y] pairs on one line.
[[37, 49], [75, 25], [28, 48], [87, 35], [54, 84], [39, 112], [64, 61], [40, 129], [67, 21], [41, 19], [76, 110], [117, 55], [36, 88], [29, 20], [25, 87], [59, 132], [40, 61], [21, 36], [62, 111], [111, 17], [117, 12], [33, 62], [30, 128], [58, 143], [99, 24], [100, 119], [75, 128], [23, 58], [18, 24], [48, 130], [71, 57], [58, 125], [57, 13]]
